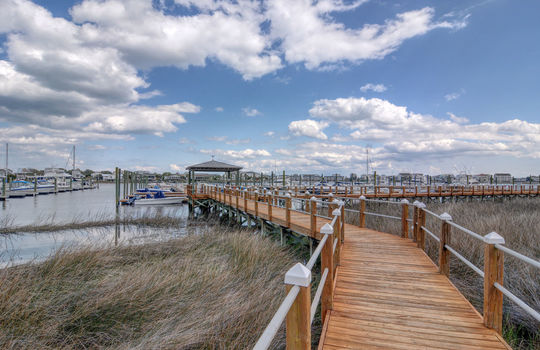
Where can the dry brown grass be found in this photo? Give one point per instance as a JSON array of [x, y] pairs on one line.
[[517, 220], [215, 290], [49, 224]]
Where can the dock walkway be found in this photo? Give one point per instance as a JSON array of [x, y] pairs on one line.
[[388, 294]]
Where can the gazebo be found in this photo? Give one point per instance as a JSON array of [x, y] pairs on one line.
[[214, 166]]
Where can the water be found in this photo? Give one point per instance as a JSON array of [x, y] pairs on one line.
[[77, 206]]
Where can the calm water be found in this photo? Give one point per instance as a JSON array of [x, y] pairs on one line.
[[79, 206]]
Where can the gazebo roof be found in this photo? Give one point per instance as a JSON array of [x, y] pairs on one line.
[[214, 166]]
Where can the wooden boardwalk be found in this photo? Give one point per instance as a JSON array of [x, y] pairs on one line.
[[388, 293]]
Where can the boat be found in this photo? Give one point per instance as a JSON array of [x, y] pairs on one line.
[[153, 197]]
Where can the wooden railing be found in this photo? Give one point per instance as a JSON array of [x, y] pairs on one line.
[[297, 307], [494, 250], [388, 191]]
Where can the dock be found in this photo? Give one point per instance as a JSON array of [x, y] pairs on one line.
[[377, 290]]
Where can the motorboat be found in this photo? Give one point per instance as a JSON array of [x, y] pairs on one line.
[[153, 197]]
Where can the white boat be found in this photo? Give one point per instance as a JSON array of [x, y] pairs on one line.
[[159, 201]]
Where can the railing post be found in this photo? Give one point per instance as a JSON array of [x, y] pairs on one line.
[[330, 204], [337, 234], [298, 321], [236, 194], [245, 201], [493, 272], [421, 239], [288, 209], [270, 202], [404, 216], [444, 254], [362, 222], [342, 221], [256, 197], [415, 221], [313, 212], [327, 262]]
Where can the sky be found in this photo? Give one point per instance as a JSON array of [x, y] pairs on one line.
[[271, 85]]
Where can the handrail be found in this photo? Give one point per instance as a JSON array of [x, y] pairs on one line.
[[465, 261], [518, 255], [318, 294], [431, 234], [315, 255], [382, 215], [271, 330], [518, 301]]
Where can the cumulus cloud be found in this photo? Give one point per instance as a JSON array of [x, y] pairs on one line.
[[308, 127], [373, 87], [250, 112], [234, 154], [309, 34], [401, 132], [175, 167]]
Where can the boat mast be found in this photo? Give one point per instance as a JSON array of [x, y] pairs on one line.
[[73, 160], [7, 146]]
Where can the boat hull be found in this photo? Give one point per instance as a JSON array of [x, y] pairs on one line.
[[160, 201]]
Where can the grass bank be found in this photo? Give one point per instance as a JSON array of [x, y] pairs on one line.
[[518, 221], [214, 290], [49, 225]]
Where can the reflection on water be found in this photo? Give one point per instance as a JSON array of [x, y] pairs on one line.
[[67, 207]]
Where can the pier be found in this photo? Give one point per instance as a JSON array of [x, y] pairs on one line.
[[376, 290]]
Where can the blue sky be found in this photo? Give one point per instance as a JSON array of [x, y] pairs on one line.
[[304, 86]]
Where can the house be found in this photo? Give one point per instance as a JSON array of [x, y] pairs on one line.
[[502, 178]]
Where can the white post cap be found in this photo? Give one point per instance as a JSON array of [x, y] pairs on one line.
[[421, 205], [404, 201], [288, 195], [415, 203], [313, 198], [446, 217], [330, 195], [493, 238], [298, 275], [336, 212], [362, 197], [307, 193], [327, 229], [256, 192]]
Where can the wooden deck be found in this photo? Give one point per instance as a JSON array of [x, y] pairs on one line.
[[388, 293]]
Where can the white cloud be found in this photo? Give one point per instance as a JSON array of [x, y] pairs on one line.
[[373, 87], [459, 120], [402, 133], [219, 109], [233, 154], [176, 167], [96, 147], [308, 127], [229, 141], [454, 95], [250, 112], [147, 37], [269, 133], [309, 34]]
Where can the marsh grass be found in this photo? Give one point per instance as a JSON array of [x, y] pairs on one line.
[[214, 290], [49, 224], [517, 220]]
